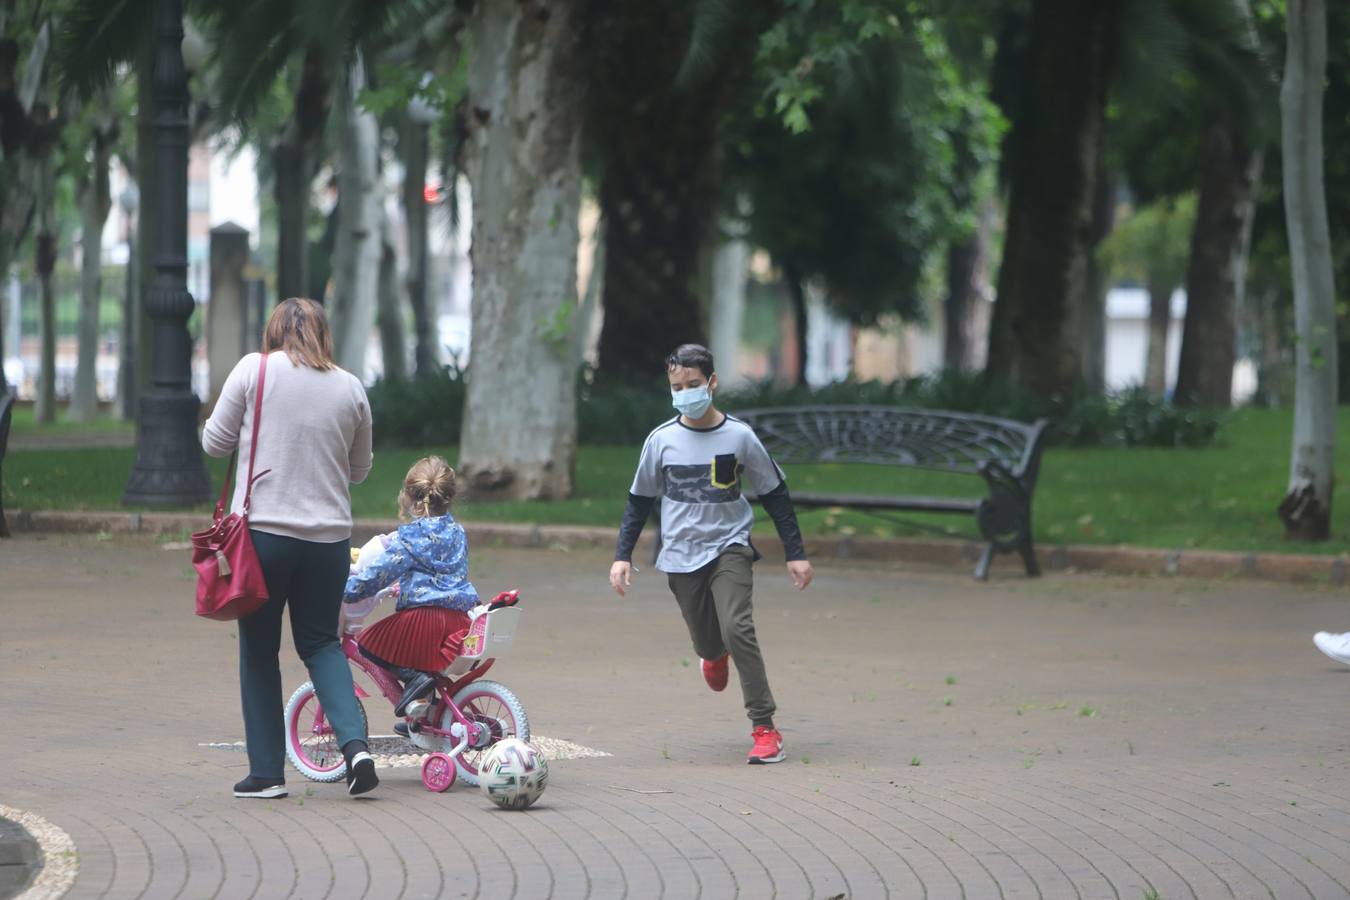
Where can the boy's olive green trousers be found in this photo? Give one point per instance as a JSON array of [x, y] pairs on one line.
[[716, 603]]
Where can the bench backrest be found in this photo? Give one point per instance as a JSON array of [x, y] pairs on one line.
[[927, 438]]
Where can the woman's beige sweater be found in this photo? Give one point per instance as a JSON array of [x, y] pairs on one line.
[[315, 438]]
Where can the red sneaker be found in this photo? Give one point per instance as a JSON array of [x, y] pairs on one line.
[[768, 747], [715, 672]]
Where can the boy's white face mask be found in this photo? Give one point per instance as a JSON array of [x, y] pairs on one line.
[[692, 402]]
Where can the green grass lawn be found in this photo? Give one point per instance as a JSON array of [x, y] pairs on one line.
[[1222, 497], [24, 423]]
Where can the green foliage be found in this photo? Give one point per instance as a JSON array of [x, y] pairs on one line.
[[393, 87], [93, 37], [418, 411], [1136, 418], [624, 412], [1152, 245], [870, 151], [1177, 61], [813, 43], [621, 411]]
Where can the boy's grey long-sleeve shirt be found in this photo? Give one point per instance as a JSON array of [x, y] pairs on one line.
[[698, 473]]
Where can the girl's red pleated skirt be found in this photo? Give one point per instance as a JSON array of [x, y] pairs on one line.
[[423, 637]]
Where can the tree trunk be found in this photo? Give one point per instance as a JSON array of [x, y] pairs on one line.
[[592, 301], [730, 268], [358, 240], [389, 318], [525, 100], [958, 340], [1306, 509], [413, 145], [319, 268], [94, 208], [293, 161], [45, 247], [1055, 147], [1159, 321], [1223, 217], [659, 191], [1091, 310]]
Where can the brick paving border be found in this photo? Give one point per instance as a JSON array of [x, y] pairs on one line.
[[46, 854], [957, 554], [1069, 736]]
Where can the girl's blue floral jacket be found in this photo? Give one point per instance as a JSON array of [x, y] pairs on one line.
[[429, 558]]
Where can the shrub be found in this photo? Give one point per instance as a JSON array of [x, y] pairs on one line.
[[428, 410], [421, 411]]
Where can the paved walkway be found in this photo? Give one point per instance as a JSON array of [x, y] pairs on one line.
[[1073, 736]]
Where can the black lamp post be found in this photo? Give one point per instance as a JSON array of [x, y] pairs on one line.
[[169, 470]]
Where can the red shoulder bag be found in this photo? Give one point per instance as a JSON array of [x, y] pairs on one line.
[[230, 583]]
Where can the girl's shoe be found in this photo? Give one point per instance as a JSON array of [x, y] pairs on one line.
[[768, 746], [261, 788], [417, 688]]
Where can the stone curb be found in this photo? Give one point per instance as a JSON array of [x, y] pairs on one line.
[[1122, 560], [60, 860]]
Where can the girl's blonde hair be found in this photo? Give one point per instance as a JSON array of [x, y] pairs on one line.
[[428, 489], [299, 327]]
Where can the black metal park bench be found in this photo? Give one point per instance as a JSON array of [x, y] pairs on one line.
[[1005, 453]]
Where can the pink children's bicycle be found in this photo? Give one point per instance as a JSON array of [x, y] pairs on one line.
[[465, 716]]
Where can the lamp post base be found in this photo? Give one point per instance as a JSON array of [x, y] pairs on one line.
[[169, 469]]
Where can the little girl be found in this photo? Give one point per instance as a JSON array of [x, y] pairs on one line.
[[429, 559]]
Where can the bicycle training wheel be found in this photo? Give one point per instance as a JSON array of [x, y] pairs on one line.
[[492, 705]]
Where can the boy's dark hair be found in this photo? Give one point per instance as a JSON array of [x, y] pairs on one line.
[[691, 356]]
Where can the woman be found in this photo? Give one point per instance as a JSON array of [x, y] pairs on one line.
[[314, 440]]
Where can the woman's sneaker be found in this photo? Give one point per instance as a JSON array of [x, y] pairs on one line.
[[361, 775], [1336, 646], [768, 746], [261, 788]]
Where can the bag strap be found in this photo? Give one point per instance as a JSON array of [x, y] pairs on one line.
[[252, 453], [257, 421]]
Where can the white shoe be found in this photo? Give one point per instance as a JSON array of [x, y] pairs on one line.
[[1337, 646]]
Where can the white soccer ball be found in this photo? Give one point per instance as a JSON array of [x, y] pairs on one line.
[[512, 774]]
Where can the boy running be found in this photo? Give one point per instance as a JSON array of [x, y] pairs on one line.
[[695, 462]]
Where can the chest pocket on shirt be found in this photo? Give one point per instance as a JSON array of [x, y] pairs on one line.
[[725, 469]]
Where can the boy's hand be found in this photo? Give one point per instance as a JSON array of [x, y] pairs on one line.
[[799, 570], [620, 576]]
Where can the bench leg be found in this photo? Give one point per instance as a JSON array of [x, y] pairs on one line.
[[1029, 558], [4, 527], [986, 558]]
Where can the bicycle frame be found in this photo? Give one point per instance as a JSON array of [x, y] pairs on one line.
[[446, 687]]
